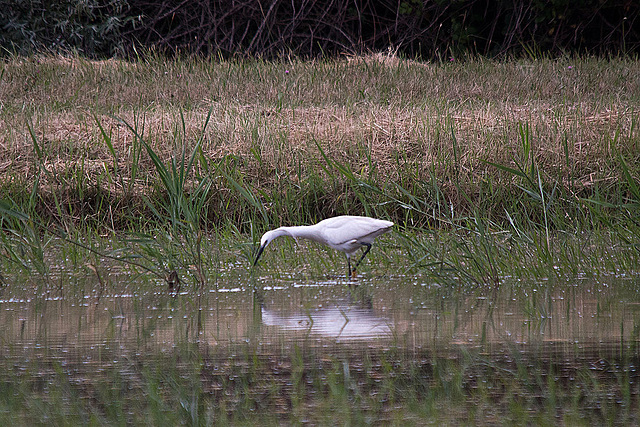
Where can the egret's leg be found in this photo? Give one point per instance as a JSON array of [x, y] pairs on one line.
[[366, 251], [348, 267]]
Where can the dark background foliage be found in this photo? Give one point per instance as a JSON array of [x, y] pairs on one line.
[[273, 28]]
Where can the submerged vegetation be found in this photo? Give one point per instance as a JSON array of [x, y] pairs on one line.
[[168, 171]]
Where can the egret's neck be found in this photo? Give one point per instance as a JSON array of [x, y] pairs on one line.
[[302, 232]]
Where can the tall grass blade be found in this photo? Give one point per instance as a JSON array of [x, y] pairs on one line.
[[634, 189], [248, 196]]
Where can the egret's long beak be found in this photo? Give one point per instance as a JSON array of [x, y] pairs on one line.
[[260, 249]]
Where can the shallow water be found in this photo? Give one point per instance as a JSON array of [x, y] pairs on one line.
[[583, 324], [377, 312]]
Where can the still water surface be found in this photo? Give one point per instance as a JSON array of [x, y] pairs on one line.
[[379, 312]]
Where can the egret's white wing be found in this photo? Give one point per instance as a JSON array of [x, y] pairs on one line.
[[343, 229]]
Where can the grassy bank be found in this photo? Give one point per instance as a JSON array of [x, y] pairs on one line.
[[317, 132], [515, 157]]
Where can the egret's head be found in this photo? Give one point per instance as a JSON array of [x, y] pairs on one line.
[[267, 238]]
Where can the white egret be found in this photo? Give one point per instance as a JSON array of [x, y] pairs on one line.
[[344, 233]]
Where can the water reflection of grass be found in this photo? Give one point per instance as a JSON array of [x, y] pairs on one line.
[[194, 386]]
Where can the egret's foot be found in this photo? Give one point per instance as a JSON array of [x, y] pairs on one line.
[[352, 280]]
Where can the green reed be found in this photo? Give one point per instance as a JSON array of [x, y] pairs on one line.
[[181, 210]]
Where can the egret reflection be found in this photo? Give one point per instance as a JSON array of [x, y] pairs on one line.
[[345, 322]]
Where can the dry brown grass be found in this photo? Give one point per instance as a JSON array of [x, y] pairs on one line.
[[489, 133]]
